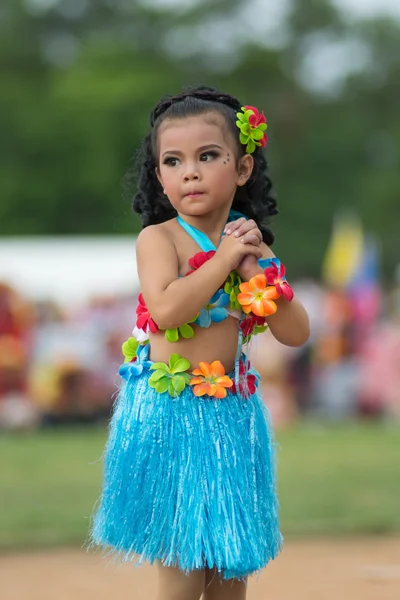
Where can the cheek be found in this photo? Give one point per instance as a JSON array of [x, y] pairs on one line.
[[226, 173], [168, 178]]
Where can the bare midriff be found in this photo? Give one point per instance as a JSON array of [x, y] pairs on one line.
[[217, 342]]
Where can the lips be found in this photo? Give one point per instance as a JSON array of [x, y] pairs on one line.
[[194, 194]]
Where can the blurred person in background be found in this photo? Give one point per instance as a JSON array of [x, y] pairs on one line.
[[379, 380], [16, 326], [334, 365], [274, 362]]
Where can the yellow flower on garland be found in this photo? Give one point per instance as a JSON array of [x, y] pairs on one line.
[[210, 380], [258, 297]]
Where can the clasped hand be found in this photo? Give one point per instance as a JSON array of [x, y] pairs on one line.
[[248, 233]]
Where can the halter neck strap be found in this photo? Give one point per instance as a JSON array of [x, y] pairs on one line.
[[197, 236], [200, 237]]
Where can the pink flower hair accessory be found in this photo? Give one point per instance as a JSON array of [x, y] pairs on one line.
[[252, 127]]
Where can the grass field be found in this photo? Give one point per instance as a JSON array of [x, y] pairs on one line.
[[332, 480]]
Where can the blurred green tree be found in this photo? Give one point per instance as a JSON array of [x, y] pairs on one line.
[[80, 78]]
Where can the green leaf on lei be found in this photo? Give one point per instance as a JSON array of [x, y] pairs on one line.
[[257, 329], [260, 329], [231, 287], [129, 349], [177, 364], [185, 330], [159, 366], [172, 378], [156, 376], [171, 335], [161, 386], [173, 359], [179, 383]]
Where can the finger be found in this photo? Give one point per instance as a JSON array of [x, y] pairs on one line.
[[255, 250], [246, 227], [234, 225], [258, 233], [255, 232], [251, 238]]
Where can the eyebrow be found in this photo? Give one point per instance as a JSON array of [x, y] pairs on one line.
[[201, 148]]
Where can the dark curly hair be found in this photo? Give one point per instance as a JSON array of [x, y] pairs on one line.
[[254, 199]]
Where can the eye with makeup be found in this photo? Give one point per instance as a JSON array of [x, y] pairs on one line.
[[171, 161], [212, 153]]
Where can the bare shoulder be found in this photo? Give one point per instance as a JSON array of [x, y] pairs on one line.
[[153, 234], [156, 238], [157, 261], [156, 252]]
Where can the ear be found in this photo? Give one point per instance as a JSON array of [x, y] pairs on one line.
[[159, 177], [245, 169]]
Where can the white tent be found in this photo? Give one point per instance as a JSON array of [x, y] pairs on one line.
[[69, 269]]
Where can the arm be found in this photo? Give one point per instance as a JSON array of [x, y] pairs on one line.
[[171, 300], [290, 324]]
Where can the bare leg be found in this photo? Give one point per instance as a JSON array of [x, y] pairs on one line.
[[174, 584], [217, 588]]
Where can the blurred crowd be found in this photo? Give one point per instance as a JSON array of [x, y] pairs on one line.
[[349, 368], [58, 367]]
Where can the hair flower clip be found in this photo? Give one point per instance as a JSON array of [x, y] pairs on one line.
[[252, 127]]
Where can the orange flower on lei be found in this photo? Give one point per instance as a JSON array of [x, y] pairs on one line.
[[257, 297], [211, 380]]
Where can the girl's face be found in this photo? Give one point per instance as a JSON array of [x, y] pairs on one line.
[[197, 164]]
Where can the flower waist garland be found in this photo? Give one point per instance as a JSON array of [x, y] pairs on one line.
[[208, 379], [255, 298]]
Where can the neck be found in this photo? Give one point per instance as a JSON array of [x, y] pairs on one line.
[[212, 224]]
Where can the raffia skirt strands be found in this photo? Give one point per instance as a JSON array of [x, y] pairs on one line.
[[189, 481]]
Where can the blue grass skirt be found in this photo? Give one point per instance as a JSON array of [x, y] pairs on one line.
[[189, 481]]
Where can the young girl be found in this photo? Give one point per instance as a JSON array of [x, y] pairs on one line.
[[189, 466]]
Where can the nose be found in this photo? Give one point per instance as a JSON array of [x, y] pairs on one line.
[[191, 174]]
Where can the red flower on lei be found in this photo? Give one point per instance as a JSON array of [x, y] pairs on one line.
[[247, 381], [144, 320], [250, 322], [199, 259], [276, 276]]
